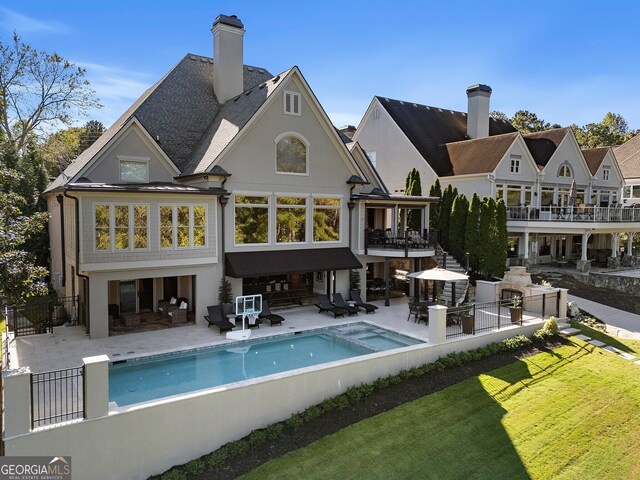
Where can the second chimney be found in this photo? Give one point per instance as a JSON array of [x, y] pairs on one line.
[[228, 68], [478, 110]]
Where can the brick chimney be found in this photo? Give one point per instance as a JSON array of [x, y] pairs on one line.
[[228, 69], [478, 110]]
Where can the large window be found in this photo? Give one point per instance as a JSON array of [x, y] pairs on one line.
[[291, 155], [291, 219], [134, 169], [513, 195], [121, 227], [326, 219], [183, 226], [252, 219]]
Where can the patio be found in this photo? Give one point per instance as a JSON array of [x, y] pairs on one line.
[[67, 346]]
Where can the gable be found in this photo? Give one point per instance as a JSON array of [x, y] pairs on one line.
[[567, 153], [131, 144], [524, 171], [251, 158], [615, 178]]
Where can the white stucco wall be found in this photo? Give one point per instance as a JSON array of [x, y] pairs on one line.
[[395, 154]]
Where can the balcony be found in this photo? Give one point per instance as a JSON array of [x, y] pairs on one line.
[[581, 213], [412, 244]]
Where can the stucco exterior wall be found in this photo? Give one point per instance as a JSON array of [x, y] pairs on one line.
[[106, 168], [395, 155]]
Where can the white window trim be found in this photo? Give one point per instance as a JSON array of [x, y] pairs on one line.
[[515, 165], [292, 96], [340, 210], [112, 227], [128, 158], [606, 174], [275, 153], [569, 169], [269, 206], [174, 226]]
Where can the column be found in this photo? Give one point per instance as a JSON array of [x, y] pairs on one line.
[[96, 392], [17, 401], [614, 245], [386, 281], [98, 296], [526, 245], [562, 307], [630, 243], [437, 324], [585, 240]]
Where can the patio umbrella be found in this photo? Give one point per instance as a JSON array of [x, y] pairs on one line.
[[573, 193], [441, 275]]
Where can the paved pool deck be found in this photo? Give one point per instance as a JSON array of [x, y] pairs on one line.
[[67, 346]]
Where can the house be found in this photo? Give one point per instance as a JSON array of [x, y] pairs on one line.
[[219, 170], [628, 156], [562, 202]]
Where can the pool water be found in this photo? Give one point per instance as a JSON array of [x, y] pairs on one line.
[[148, 378]]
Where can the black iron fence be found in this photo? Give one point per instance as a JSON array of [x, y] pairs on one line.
[[482, 317], [57, 396], [41, 314]]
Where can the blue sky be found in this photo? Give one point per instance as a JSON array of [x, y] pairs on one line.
[[567, 61]]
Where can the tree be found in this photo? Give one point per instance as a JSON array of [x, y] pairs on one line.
[[445, 214], [60, 149], [487, 235], [38, 89], [528, 122], [612, 130], [414, 188], [20, 277], [502, 239], [434, 208], [458, 225], [89, 133], [498, 115], [472, 233]]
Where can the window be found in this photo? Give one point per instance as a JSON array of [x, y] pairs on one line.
[[564, 171], [605, 173], [326, 219], [513, 195], [252, 219], [372, 158], [114, 228], [291, 155], [527, 195], [546, 196], [134, 169], [291, 219], [292, 103], [515, 163], [183, 226], [499, 191]]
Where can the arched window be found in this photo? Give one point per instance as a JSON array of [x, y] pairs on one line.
[[291, 155], [565, 171]]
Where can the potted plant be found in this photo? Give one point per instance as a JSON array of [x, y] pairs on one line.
[[468, 323], [516, 309], [225, 297]]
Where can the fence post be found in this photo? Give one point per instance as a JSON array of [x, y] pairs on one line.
[[562, 302], [437, 324], [96, 386], [17, 401]]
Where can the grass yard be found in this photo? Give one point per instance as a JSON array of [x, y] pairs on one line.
[[571, 413]]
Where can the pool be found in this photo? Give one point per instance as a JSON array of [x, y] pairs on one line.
[[148, 378]]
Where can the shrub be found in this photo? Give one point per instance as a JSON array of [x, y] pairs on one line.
[[257, 438], [294, 421], [194, 467], [174, 474], [273, 432], [217, 458], [551, 326], [237, 448], [311, 413]]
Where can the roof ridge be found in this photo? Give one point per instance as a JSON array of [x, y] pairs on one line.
[[489, 137]]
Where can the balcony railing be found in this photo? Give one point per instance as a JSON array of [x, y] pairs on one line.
[[574, 214], [410, 241]]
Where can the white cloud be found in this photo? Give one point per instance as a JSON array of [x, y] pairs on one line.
[[23, 24], [116, 88]]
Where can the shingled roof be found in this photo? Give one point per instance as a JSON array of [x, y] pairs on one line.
[[430, 128], [543, 145], [594, 157], [480, 155], [178, 110], [628, 156]]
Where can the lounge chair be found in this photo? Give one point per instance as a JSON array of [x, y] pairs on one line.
[[339, 302], [324, 305], [355, 296], [216, 318], [267, 315]]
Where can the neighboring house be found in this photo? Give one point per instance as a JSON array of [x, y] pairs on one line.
[[628, 156], [219, 169], [562, 202]]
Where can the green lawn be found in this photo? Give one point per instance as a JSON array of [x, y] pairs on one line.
[[573, 413]]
